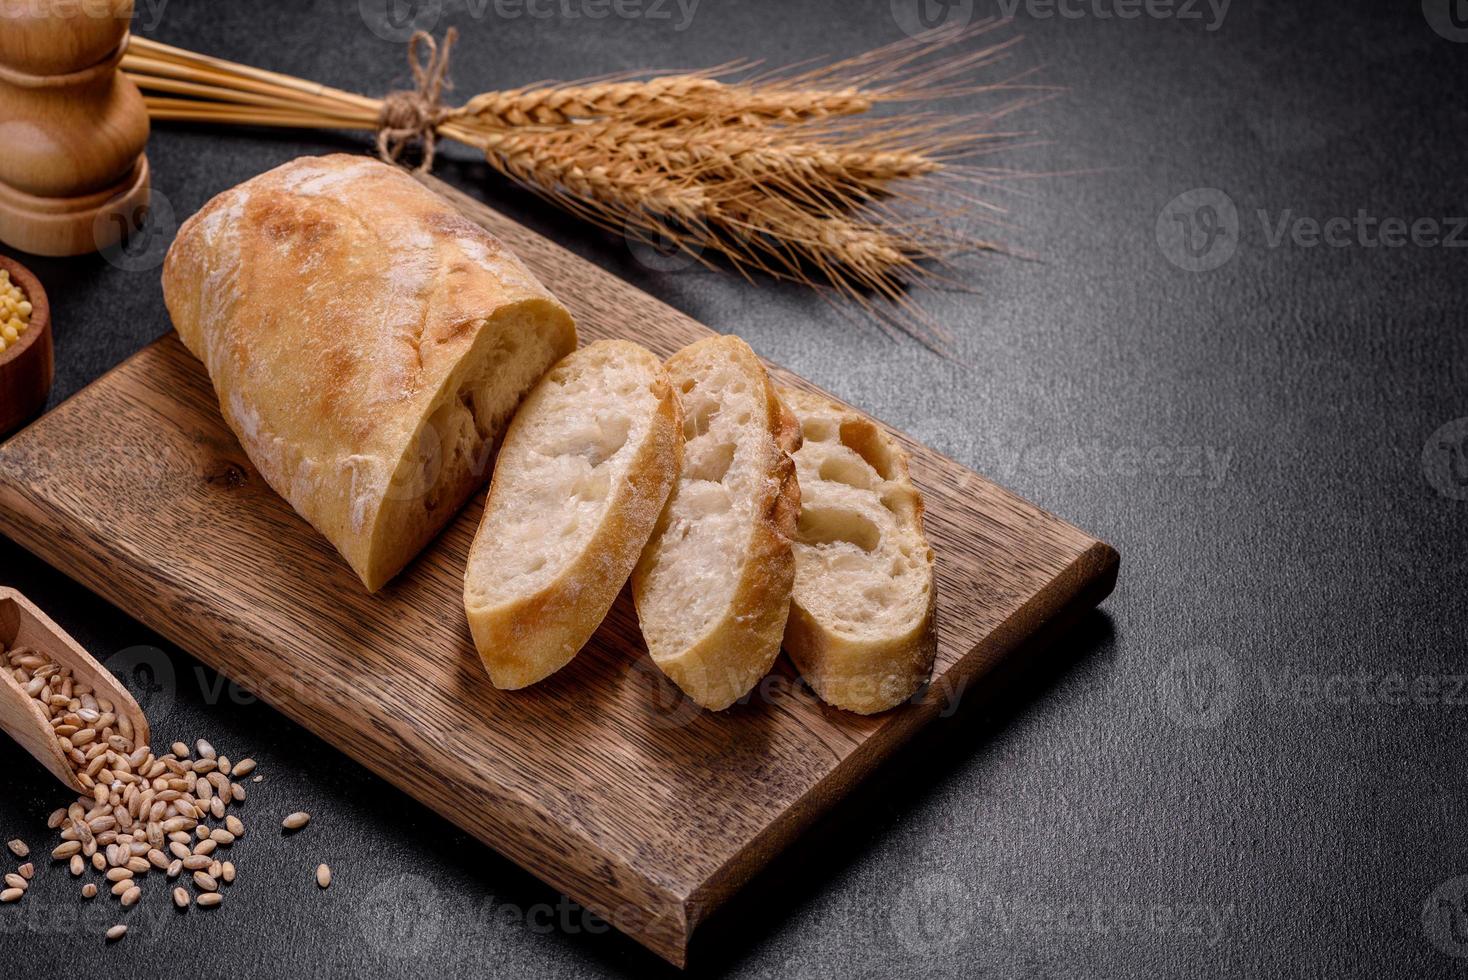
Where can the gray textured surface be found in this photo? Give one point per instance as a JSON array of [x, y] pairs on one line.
[[1220, 774]]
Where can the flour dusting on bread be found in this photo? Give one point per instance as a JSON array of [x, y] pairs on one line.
[[365, 358]]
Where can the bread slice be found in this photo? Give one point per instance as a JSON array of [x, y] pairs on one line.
[[585, 468], [713, 587], [367, 343], [861, 616]]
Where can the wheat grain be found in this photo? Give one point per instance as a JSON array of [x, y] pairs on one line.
[[139, 810]]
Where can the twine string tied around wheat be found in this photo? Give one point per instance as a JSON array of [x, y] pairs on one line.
[[413, 115], [789, 173]]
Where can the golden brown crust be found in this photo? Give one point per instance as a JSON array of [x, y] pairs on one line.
[[730, 657], [861, 670], [527, 638], [345, 313], [787, 430]]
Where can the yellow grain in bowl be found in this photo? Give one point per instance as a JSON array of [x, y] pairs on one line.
[[15, 311]]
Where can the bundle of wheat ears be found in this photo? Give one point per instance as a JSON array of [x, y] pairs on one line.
[[786, 173]]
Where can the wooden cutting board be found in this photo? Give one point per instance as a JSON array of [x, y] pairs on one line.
[[602, 780]]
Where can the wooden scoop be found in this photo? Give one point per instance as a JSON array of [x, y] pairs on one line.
[[22, 718]]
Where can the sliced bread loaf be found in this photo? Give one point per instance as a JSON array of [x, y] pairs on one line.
[[861, 615], [367, 343], [713, 586], [585, 468]]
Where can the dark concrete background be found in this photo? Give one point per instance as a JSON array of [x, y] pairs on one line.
[[1251, 764]]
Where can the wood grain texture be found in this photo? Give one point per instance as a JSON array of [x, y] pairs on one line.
[[73, 178], [23, 624], [603, 780]]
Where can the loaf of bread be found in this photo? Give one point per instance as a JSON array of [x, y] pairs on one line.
[[368, 345], [585, 469], [861, 614], [713, 586]]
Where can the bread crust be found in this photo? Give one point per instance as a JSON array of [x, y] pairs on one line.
[[738, 649], [367, 344], [877, 670], [526, 638]]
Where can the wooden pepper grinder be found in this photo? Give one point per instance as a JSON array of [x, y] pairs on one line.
[[73, 177]]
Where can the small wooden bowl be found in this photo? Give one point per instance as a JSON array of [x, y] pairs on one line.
[[27, 366]]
